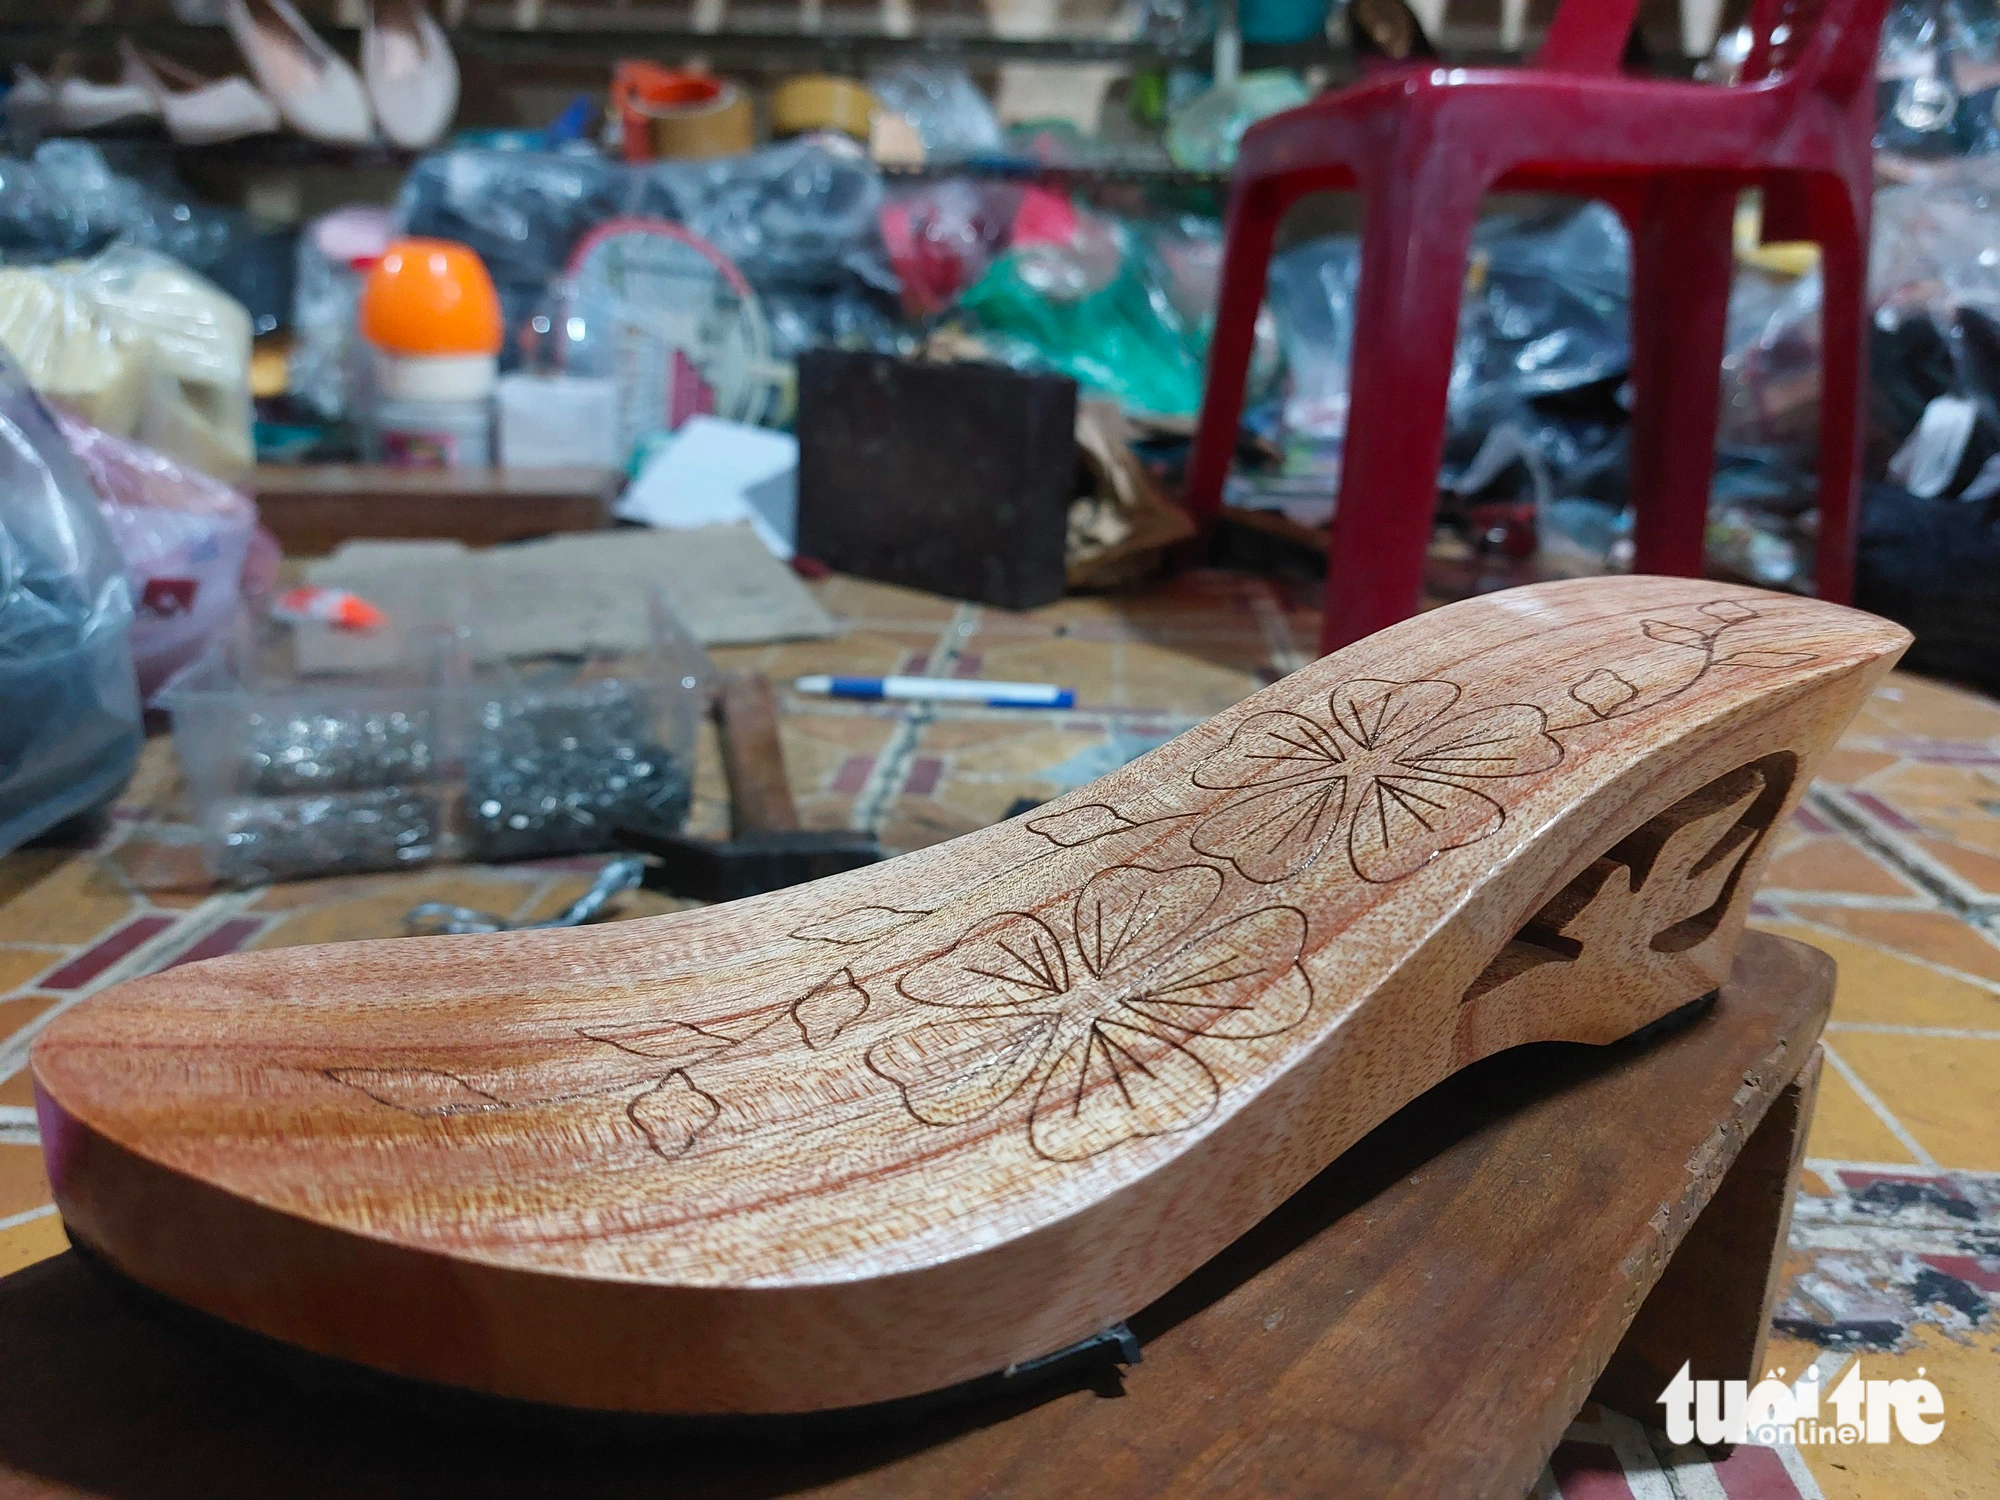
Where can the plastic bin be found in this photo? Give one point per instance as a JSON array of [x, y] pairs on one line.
[[438, 748]]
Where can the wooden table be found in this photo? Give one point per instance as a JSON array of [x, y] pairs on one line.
[[1423, 1319], [313, 508]]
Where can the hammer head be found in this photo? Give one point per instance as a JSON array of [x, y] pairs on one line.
[[724, 870]]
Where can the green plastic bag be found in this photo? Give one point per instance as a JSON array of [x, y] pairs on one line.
[[1096, 310]]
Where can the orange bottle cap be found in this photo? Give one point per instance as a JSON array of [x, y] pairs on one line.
[[430, 298]]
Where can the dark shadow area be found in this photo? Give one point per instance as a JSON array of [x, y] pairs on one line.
[[112, 1390]]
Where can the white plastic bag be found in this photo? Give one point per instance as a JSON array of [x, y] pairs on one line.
[[140, 347]]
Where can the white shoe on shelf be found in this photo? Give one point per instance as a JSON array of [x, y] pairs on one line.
[[199, 111], [71, 106], [314, 88], [411, 74]]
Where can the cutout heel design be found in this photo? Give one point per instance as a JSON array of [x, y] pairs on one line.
[[910, 1124]]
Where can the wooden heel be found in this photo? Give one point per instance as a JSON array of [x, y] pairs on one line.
[[914, 1123]]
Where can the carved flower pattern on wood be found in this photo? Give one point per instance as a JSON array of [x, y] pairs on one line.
[[1391, 771], [1096, 1019]]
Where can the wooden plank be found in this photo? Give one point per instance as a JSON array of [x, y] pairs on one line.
[[313, 508], [885, 1132], [1421, 1319]]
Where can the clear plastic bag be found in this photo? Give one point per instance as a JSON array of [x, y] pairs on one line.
[[1203, 136], [139, 346], [71, 733], [1546, 310], [66, 202], [521, 210], [943, 106], [796, 214], [188, 541], [1311, 294], [325, 370], [799, 215]]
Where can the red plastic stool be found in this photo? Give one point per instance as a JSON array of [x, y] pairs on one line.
[[1426, 144]]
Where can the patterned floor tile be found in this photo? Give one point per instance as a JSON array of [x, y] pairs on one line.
[[1933, 937], [1960, 804], [72, 904], [1880, 988], [34, 1239], [23, 1182], [1845, 1128], [1944, 1090], [19, 965], [1828, 862], [1909, 705], [22, 1011]]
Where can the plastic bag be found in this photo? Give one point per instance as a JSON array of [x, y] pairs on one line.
[[66, 202], [944, 107], [522, 211], [326, 365], [942, 236], [1311, 294], [795, 214], [1929, 565], [1096, 308], [188, 542], [139, 346], [1546, 311], [1204, 135], [71, 733]]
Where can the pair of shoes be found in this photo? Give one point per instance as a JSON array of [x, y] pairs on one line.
[[71, 105], [411, 78], [197, 111]]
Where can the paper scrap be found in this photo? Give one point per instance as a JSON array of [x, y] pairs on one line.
[[719, 473]]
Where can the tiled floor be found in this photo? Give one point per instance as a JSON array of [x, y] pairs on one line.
[[1892, 866]]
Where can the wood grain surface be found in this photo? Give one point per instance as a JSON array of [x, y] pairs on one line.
[[313, 508], [889, 1131], [1421, 1319]]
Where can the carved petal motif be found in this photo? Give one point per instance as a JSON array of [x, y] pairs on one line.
[[1125, 914], [421, 1091], [672, 1114], [1402, 822], [674, 1043], [829, 1008], [1374, 713], [1511, 740], [1241, 980], [956, 1070], [1275, 746], [862, 925], [1272, 835], [1080, 824], [1010, 959], [1115, 1084]]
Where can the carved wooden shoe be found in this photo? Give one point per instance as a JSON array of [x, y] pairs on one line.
[[904, 1126]]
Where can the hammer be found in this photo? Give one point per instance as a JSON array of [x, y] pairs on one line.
[[766, 849]]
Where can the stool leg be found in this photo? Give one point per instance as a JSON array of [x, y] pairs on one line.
[[1415, 239], [1843, 377], [1711, 1307], [1255, 209], [1681, 266]]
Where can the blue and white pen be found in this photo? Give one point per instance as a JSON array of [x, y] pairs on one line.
[[941, 689]]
